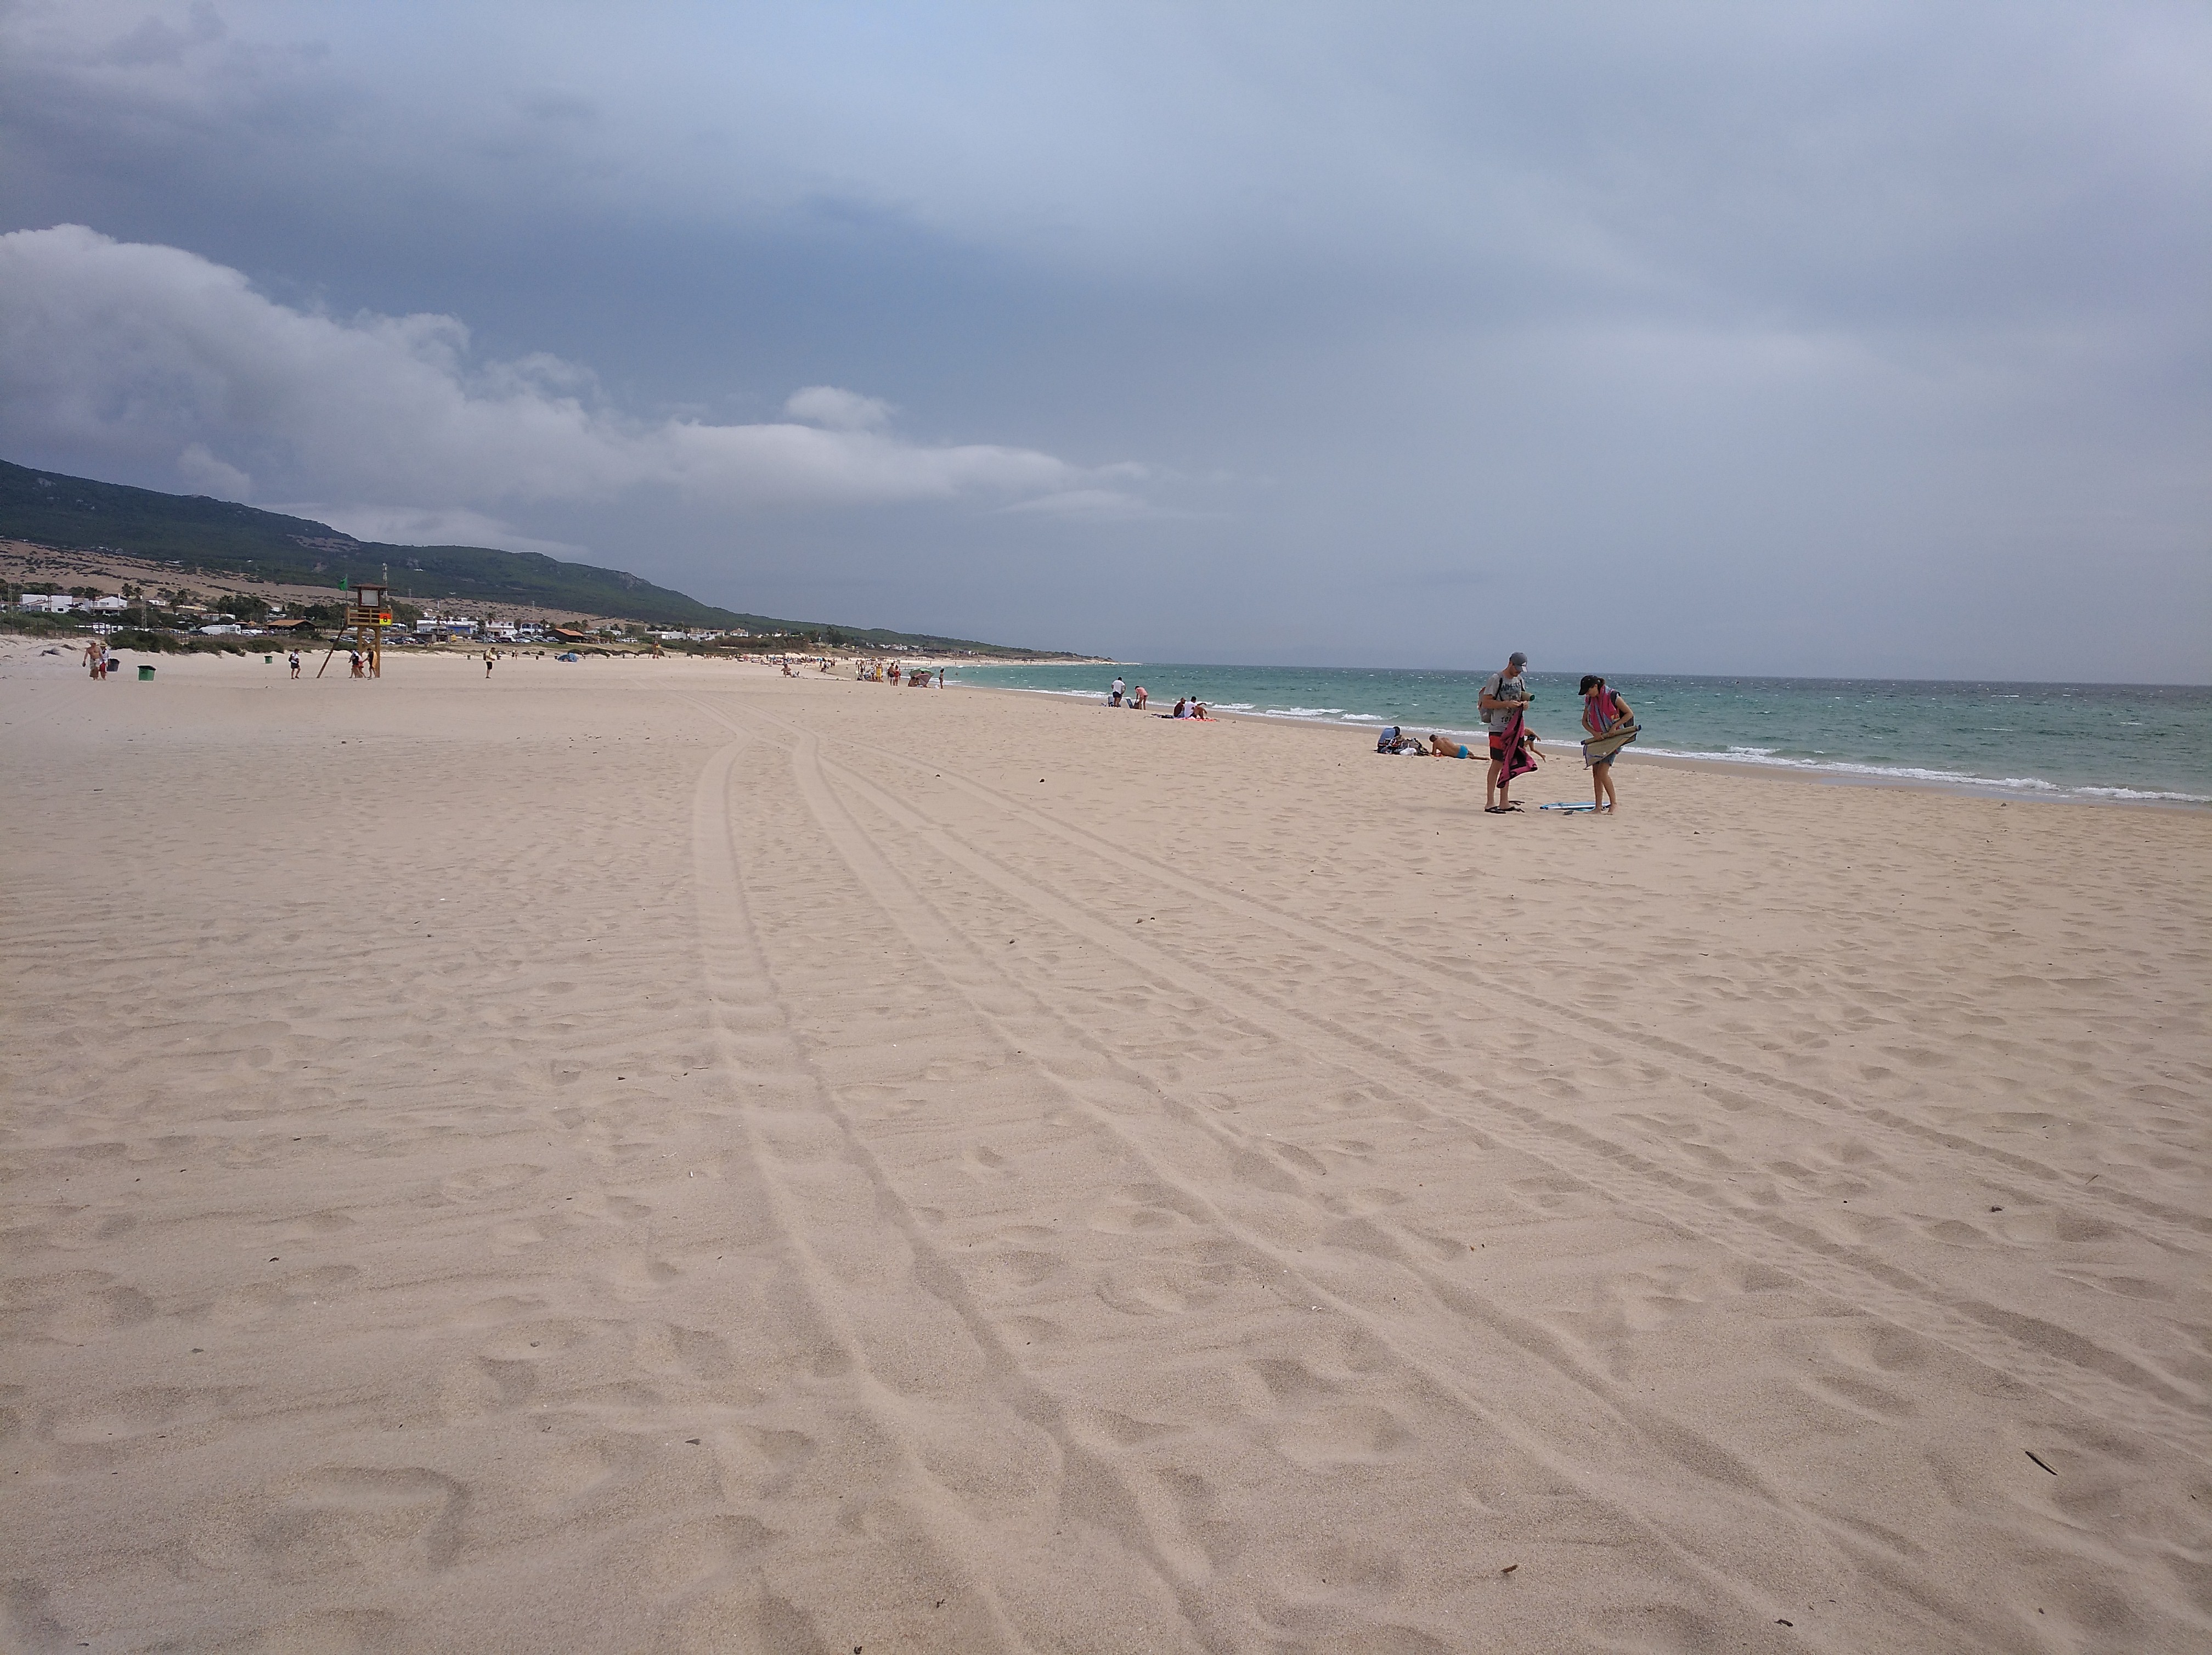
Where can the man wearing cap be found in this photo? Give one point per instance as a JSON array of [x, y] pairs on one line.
[[1503, 695]]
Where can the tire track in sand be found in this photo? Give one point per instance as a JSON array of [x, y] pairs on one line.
[[2101, 1383], [2177, 1228], [988, 989], [913, 1285]]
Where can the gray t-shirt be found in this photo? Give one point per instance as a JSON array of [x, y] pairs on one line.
[[1498, 687]]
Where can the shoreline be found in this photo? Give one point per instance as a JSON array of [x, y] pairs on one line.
[[1844, 771]]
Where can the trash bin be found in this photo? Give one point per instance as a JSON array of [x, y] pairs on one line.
[[144, 672], [269, 661]]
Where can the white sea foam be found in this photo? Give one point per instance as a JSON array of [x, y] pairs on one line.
[[1741, 752], [2139, 793], [2029, 784]]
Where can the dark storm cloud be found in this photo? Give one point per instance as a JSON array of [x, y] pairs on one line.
[[1828, 338]]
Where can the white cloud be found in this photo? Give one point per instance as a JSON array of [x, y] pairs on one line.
[[202, 470], [840, 411], [145, 356], [1089, 505], [405, 526]]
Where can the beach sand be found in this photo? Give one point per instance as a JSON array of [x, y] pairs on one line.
[[651, 1155]]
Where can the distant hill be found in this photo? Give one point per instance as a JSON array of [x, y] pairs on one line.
[[222, 536]]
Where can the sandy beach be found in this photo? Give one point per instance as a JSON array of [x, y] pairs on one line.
[[652, 1155]]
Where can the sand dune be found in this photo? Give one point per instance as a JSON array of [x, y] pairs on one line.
[[656, 1156]]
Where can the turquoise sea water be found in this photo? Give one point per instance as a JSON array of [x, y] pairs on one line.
[[2144, 742]]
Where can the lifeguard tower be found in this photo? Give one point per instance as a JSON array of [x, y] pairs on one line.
[[367, 613]]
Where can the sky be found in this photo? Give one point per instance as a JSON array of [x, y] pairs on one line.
[[1826, 339]]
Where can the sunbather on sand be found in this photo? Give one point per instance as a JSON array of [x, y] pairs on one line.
[[1446, 746]]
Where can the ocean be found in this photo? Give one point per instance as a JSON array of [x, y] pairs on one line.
[[2150, 743]]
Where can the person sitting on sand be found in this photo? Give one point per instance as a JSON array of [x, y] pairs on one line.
[[1182, 708], [1198, 710], [1604, 712], [1395, 739]]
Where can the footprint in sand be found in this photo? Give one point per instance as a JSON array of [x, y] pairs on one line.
[[1347, 1570], [383, 1522], [978, 1161], [286, 1295], [94, 1312], [1556, 1197], [1860, 1395], [388, 1522], [482, 1181], [178, 1416], [682, 1557], [1132, 1212], [693, 1353], [1023, 1269], [566, 1473]]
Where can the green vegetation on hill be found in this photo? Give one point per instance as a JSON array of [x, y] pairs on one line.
[[220, 535]]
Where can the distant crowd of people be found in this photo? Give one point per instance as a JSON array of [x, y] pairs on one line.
[[1119, 694], [914, 676]]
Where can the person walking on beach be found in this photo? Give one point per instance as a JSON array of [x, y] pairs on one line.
[[294, 659], [1113, 696], [1502, 702], [486, 663], [1603, 712]]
